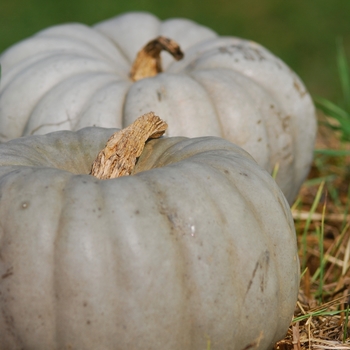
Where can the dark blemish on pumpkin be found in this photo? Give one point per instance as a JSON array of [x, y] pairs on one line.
[[297, 87], [93, 210], [259, 139], [88, 322], [24, 205], [224, 49], [258, 53], [288, 156], [9, 324], [250, 346], [226, 171], [250, 54], [99, 209], [249, 57], [137, 212], [272, 106], [84, 182], [8, 273], [252, 278], [199, 258], [259, 121], [85, 303], [262, 264], [244, 174], [285, 123]]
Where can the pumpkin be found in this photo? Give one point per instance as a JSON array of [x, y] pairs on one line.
[[196, 249], [72, 76]]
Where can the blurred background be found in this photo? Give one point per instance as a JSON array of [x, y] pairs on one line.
[[303, 33]]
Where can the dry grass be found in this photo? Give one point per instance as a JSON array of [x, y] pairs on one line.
[[322, 319]]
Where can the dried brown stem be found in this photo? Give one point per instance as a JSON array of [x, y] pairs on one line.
[[119, 156], [148, 60]]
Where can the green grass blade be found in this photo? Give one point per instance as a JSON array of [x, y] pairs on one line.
[[322, 259], [333, 152], [322, 312], [343, 69], [318, 180], [275, 171], [337, 113], [345, 330], [331, 108], [307, 225], [346, 210]]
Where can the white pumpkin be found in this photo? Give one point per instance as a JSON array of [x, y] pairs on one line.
[[197, 248], [72, 76]]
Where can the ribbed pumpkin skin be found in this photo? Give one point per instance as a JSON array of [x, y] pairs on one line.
[[72, 76], [200, 248]]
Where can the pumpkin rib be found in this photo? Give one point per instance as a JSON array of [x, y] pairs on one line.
[[79, 32], [152, 158], [241, 190], [91, 306], [116, 44], [230, 98], [22, 244], [177, 147], [273, 124], [52, 46], [124, 31], [108, 95], [161, 95], [215, 107], [172, 222], [21, 84], [77, 101]]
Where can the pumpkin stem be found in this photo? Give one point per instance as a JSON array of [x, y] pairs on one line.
[[118, 158], [148, 60]]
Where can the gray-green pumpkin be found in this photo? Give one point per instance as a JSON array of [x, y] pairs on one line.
[[197, 247]]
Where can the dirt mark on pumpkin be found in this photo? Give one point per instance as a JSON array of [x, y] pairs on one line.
[[299, 88], [255, 344], [262, 266], [8, 273]]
